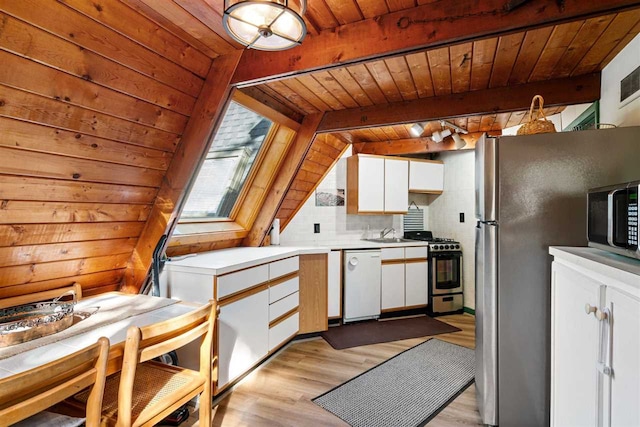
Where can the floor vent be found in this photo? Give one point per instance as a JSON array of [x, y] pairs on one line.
[[630, 84]]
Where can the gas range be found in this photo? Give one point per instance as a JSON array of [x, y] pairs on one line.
[[436, 244]]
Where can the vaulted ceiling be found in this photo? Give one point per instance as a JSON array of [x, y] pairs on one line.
[[106, 108]]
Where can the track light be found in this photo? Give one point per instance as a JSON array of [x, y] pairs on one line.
[[459, 142], [416, 130], [458, 129], [438, 136]]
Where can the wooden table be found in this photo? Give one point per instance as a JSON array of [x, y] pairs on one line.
[[116, 332]]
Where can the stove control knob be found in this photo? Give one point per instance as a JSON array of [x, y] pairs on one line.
[[457, 246], [446, 247]]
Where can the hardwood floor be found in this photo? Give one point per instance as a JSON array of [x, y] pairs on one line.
[[279, 393]]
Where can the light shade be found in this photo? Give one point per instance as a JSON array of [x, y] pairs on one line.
[[459, 142], [266, 25], [416, 130], [438, 136]]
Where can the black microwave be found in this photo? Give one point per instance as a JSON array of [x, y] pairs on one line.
[[612, 218]]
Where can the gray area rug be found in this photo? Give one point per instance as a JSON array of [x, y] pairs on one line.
[[407, 390]]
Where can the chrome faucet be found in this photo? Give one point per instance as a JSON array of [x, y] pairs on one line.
[[386, 231]]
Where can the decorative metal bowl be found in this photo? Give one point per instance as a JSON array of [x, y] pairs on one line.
[[26, 322]]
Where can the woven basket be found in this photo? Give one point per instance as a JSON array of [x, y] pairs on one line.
[[537, 125]]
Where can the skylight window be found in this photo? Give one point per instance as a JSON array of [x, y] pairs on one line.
[[228, 164]]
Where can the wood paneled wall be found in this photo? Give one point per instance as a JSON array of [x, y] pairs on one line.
[[94, 99]]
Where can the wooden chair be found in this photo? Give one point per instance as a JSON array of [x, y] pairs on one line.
[[146, 391], [28, 393]]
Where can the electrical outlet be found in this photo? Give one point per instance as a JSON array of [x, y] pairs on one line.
[[461, 216], [316, 228]]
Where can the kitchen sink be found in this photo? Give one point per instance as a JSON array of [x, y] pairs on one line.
[[389, 240]]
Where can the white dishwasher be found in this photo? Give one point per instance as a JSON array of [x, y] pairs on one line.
[[361, 285]]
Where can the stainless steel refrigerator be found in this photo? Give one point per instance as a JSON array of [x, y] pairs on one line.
[[531, 194]]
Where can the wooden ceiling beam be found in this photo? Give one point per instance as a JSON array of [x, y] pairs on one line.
[[572, 90], [206, 117], [426, 26], [401, 147]]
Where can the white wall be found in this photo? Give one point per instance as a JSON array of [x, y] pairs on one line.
[[444, 211], [611, 110], [572, 112]]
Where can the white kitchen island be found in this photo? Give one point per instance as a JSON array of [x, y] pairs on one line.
[[266, 296]]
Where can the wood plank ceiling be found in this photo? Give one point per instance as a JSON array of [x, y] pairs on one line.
[[96, 96], [571, 49]]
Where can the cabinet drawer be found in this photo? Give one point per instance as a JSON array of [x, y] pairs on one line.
[[416, 252], [391, 253], [283, 267], [282, 331], [240, 280], [189, 287], [286, 304], [283, 289]]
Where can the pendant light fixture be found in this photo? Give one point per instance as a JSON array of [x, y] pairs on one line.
[[266, 24]]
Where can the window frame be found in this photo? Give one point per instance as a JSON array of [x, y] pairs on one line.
[[221, 232], [266, 145]]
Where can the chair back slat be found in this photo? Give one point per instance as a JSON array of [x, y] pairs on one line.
[[30, 392], [172, 326], [155, 350]]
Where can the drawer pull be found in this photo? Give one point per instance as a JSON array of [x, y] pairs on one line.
[[588, 308]]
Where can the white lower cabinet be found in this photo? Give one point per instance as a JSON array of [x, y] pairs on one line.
[[624, 385], [416, 279], [404, 278], [595, 339], [283, 331], [575, 348], [258, 310], [243, 335], [392, 292]]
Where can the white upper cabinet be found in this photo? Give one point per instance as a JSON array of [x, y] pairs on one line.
[[396, 180], [426, 176], [365, 184], [377, 185]]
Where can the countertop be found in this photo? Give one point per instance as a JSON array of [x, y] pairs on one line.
[[227, 260], [609, 265], [361, 244]]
